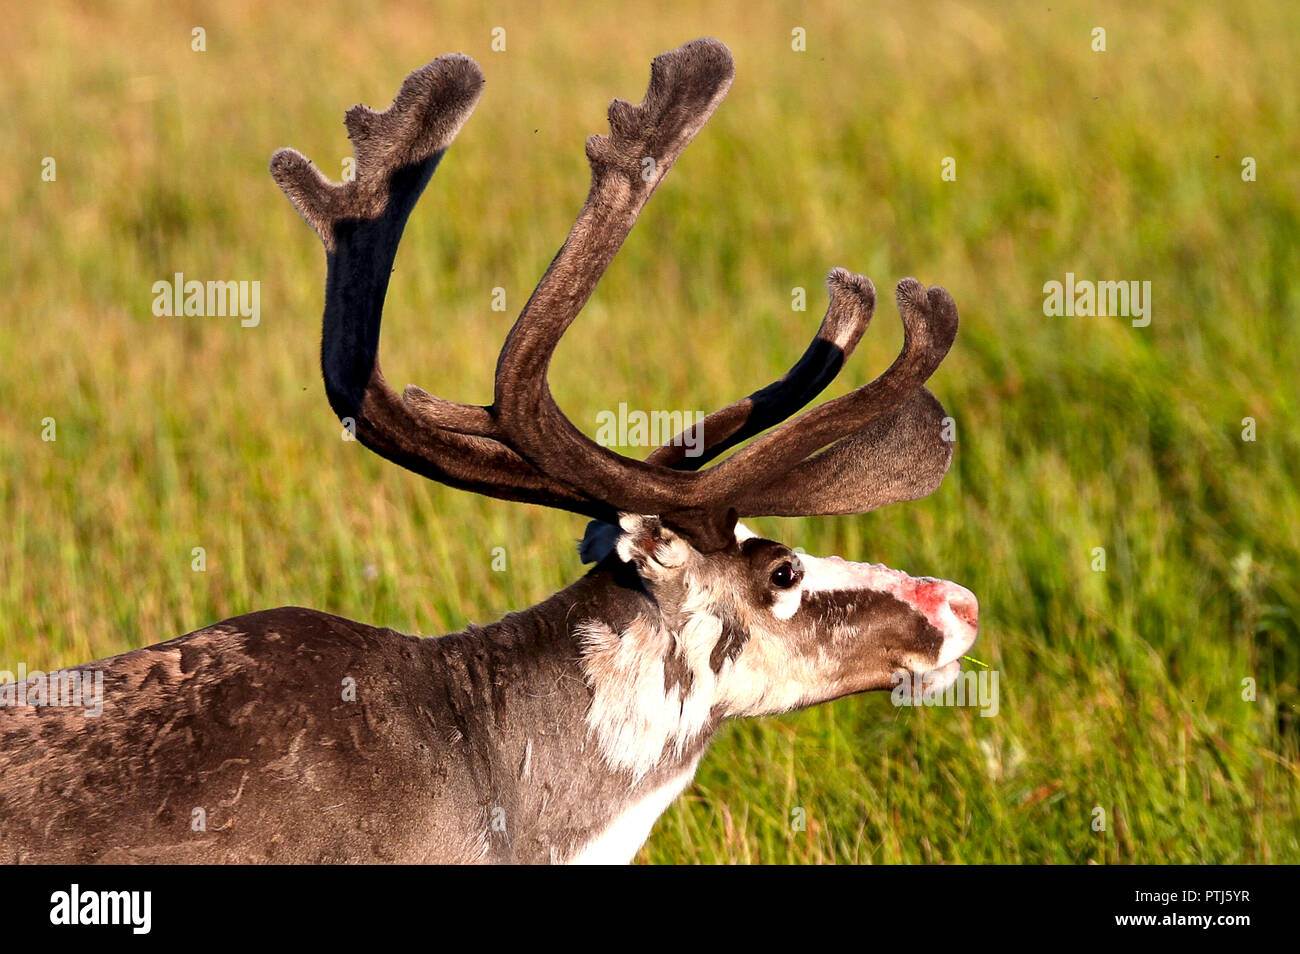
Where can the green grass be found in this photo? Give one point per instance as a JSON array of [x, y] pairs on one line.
[[1120, 689]]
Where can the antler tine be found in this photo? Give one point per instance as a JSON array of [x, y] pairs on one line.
[[396, 153], [853, 299], [900, 456], [929, 327], [686, 86], [883, 442], [627, 166], [360, 223], [427, 113]]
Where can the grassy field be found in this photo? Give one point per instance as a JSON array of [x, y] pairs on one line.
[[1121, 689]]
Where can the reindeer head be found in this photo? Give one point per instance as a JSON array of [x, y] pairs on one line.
[[754, 628], [733, 624]]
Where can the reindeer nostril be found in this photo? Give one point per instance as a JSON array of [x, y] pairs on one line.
[[966, 608]]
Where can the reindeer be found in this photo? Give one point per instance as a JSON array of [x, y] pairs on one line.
[[561, 732]]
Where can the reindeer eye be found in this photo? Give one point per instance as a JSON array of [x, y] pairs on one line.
[[785, 576]]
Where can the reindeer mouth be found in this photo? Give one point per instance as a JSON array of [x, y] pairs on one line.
[[935, 682]]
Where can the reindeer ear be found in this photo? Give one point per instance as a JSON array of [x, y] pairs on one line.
[[653, 548], [902, 456], [598, 541]]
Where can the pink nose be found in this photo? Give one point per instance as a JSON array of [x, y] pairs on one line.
[[950, 608], [930, 596], [964, 605]]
